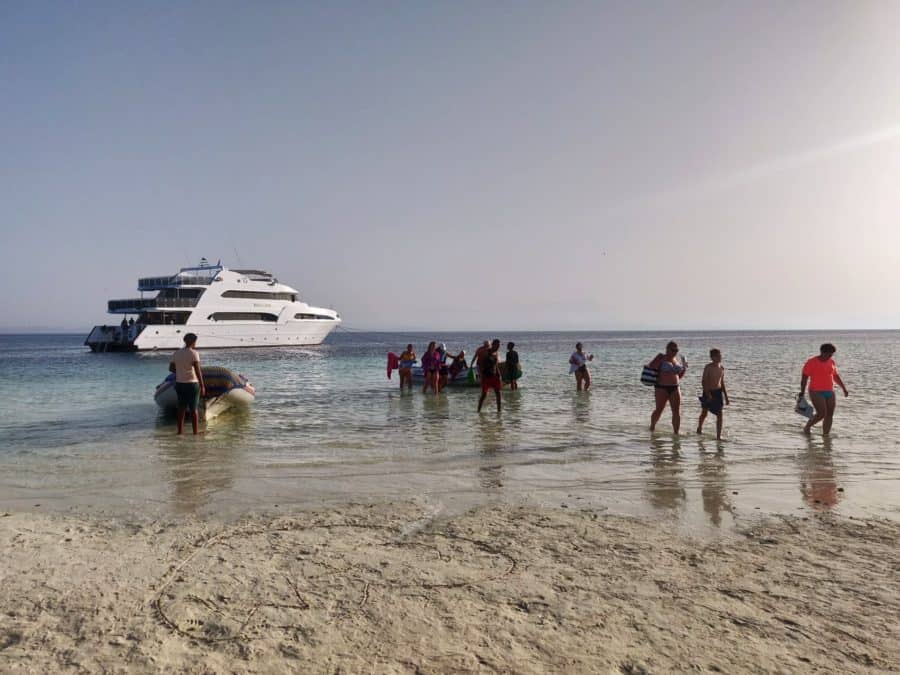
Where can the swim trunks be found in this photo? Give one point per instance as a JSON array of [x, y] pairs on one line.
[[188, 395], [714, 403], [827, 393], [490, 382]]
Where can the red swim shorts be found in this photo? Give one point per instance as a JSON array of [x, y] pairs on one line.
[[492, 382]]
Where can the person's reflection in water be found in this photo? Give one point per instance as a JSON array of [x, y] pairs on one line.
[[490, 477], [401, 415], [714, 482], [665, 490], [818, 477], [436, 423], [200, 470], [581, 408], [512, 404], [489, 443]]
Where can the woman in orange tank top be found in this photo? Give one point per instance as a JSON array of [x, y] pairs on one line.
[[821, 374]]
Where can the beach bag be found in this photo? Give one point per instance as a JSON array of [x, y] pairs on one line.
[[650, 373], [472, 377], [804, 407]]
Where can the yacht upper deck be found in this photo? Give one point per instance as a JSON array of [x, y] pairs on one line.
[[187, 276]]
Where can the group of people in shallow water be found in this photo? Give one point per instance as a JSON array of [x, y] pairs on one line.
[[819, 372], [665, 373], [439, 367]]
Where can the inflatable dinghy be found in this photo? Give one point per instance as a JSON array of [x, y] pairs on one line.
[[224, 389]]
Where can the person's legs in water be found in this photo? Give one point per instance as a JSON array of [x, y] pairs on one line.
[[194, 406], [497, 394], [720, 423], [818, 401], [830, 405], [662, 397], [188, 394], [587, 379], [675, 403], [180, 417], [703, 412], [484, 392]]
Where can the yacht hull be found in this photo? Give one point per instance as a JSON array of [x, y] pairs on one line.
[[232, 335], [211, 336]]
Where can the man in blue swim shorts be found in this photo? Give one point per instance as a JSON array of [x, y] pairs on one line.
[[714, 397], [189, 383]]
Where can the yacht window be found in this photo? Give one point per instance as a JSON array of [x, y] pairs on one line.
[[307, 317], [258, 295], [181, 293], [242, 316], [164, 318]]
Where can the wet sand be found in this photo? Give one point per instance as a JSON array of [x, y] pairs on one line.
[[390, 587]]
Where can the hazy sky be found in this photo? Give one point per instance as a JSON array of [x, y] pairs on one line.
[[459, 165]]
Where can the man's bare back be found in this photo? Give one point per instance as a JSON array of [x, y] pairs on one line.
[[713, 377]]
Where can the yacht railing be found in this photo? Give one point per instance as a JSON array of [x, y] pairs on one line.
[[176, 302], [132, 305], [159, 283], [135, 305]]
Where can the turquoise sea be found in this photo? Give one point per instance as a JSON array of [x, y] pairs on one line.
[[81, 430]]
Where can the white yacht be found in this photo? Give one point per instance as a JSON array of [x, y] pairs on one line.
[[224, 307]]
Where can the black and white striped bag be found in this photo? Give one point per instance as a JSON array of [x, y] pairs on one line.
[[649, 375]]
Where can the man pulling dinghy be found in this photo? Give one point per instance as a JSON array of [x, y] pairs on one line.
[[224, 389]]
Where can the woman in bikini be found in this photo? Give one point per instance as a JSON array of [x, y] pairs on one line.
[[407, 361], [430, 367], [578, 366], [667, 389]]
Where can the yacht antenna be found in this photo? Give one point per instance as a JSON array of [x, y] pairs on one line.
[[238, 258]]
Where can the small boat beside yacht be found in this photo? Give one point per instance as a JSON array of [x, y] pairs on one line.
[[224, 389]]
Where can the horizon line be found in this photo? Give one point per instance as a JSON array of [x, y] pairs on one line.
[[45, 331]]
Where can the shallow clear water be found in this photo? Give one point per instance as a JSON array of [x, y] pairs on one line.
[[81, 429]]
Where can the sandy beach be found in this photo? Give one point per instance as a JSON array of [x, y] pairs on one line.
[[392, 587]]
